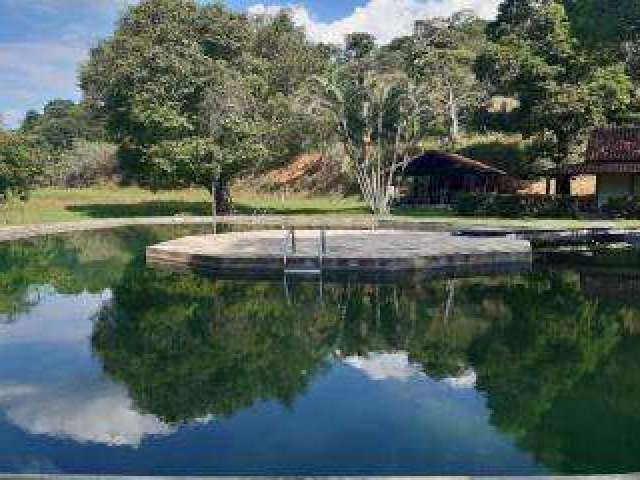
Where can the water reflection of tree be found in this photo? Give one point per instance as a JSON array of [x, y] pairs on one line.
[[29, 264], [593, 427], [71, 263], [532, 360], [189, 347]]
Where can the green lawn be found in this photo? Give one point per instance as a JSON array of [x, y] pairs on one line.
[[57, 205]]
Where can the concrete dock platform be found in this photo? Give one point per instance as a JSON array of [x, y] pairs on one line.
[[355, 251]]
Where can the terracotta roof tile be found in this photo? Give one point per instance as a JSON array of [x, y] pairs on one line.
[[595, 168], [614, 145]]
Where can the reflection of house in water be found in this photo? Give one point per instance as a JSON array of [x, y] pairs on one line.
[[614, 285], [618, 288]]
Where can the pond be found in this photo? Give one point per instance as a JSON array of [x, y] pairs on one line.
[[110, 367]]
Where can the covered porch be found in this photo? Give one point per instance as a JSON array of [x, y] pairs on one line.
[[613, 158], [613, 180], [437, 178]]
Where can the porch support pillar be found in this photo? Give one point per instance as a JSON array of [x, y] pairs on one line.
[[563, 185]]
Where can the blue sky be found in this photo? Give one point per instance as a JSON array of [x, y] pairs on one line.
[[42, 42]]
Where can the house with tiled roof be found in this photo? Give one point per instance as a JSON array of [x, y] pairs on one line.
[[613, 156]]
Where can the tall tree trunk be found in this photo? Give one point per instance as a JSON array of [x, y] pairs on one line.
[[220, 198], [454, 125]]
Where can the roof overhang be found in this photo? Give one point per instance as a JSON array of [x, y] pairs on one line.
[[594, 169], [445, 163]]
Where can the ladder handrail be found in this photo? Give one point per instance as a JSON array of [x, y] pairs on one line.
[[289, 240], [322, 248]]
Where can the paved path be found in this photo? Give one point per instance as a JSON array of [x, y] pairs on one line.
[[380, 251], [16, 232]]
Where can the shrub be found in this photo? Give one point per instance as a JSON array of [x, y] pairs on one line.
[[90, 163], [84, 164], [470, 204], [20, 165], [509, 206], [512, 206], [558, 207], [622, 207]]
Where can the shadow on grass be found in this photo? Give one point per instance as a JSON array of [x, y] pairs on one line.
[[171, 207], [424, 212]]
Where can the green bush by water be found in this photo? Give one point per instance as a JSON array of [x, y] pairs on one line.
[[515, 206], [623, 207]]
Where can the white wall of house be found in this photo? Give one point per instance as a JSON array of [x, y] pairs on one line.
[[614, 185]]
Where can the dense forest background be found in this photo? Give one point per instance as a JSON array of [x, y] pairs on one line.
[[184, 94]]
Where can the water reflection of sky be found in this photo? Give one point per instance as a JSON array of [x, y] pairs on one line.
[[51, 385], [371, 414]]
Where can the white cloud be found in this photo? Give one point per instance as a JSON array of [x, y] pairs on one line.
[[91, 410], [385, 19], [45, 62], [466, 380], [63, 392], [396, 366], [385, 366]]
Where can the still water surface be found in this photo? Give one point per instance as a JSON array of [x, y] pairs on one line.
[[110, 367]]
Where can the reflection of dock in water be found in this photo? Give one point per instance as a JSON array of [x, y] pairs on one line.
[[549, 240]]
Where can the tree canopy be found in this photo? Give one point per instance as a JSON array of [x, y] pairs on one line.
[[562, 90], [197, 92], [61, 123]]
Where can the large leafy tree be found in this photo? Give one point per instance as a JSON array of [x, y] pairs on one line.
[[562, 90], [196, 94], [442, 58], [609, 27]]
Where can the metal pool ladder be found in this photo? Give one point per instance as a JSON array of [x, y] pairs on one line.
[[289, 247]]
